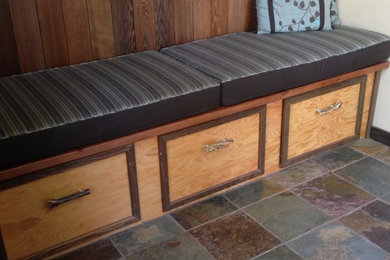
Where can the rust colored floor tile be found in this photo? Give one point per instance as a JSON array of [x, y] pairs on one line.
[[101, 250], [372, 221], [383, 155], [333, 195], [368, 146], [202, 212], [235, 237]]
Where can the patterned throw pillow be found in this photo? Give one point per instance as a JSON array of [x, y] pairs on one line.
[[334, 13], [293, 15]]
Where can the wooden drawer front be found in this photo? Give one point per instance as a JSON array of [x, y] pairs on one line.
[[188, 171], [29, 226], [312, 125]]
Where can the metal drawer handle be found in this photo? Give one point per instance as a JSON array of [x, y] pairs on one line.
[[57, 202], [217, 146], [330, 109]]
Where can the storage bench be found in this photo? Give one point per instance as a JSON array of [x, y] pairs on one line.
[[118, 142]]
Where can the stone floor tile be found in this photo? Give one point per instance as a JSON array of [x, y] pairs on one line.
[[372, 221], [367, 146], [279, 253], [286, 215], [333, 195], [253, 192], [386, 198], [297, 174], [181, 247], [338, 158], [101, 250], [369, 174], [202, 212], [146, 235], [235, 236], [383, 155], [335, 241]]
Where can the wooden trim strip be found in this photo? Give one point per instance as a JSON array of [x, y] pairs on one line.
[[285, 161], [373, 102], [174, 126], [3, 253], [164, 175], [134, 196]]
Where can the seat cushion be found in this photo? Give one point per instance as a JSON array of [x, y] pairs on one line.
[[56, 110], [251, 65]]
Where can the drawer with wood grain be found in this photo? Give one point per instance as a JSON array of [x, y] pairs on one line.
[[201, 160], [322, 119], [84, 199]]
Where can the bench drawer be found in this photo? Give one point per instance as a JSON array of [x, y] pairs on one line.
[[29, 225], [322, 119], [201, 160]]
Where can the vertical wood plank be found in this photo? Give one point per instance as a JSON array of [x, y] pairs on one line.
[[236, 16], [273, 136], [165, 23], [51, 22], [77, 30], [145, 24], [202, 19], [8, 51], [102, 34], [242, 15], [184, 21], [219, 17], [123, 26], [27, 35]]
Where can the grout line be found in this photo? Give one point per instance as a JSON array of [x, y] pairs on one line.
[[357, 186], [112, 242], [380, 160]]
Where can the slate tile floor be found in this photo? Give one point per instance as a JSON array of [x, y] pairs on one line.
[[333, 206]]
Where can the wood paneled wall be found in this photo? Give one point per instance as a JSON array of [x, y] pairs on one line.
[[39, 34]]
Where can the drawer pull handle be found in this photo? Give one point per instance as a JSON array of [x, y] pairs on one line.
[[57, 202], [217, 146], [330, 109]]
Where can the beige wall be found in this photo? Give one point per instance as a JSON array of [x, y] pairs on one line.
[[373, 15]]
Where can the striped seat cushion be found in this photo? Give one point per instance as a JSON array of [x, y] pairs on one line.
[[251, 65], [55, 110]]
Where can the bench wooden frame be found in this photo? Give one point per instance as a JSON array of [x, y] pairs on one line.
[[152, 201]]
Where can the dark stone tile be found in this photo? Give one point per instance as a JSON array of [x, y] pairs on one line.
[[286, 215], [253, 192], [369, 174], [387, 198], [297, 174], [146, 235], [367, 146], [372, 221], [383, 155], [181, 247], [338, 158], [335, 241], [235, 236], [101, 250], [333, 195], [204, 211], [279, 253]]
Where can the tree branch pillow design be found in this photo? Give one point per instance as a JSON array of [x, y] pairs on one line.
[[293, 15]]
